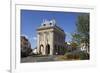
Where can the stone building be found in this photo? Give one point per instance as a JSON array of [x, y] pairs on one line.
[[25, 46], [50, 38], [84, 47]]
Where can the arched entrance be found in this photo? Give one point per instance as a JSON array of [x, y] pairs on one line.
[[47, 49], [41, 49]]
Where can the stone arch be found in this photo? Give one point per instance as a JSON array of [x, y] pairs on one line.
[[41, 49], [47, 49]]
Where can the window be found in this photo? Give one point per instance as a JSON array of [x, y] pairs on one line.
[[50, 23], [44, 24]]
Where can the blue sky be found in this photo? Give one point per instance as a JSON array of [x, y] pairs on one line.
[[32, 19]]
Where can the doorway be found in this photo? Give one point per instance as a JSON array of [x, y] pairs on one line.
[[48, 49], [41, 49]]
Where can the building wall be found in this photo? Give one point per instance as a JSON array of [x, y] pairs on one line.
[[45, 40], [50, 39]]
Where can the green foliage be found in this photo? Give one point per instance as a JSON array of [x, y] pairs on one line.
[[82, 26], [65, 43], [76, 38], [83, 55], [75, 56], [74, 45]]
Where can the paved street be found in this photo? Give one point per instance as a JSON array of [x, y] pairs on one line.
[[38, 59]]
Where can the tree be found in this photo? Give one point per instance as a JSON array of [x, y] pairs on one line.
[[76, 38], [74, 45], [82, 31], [82, 26]]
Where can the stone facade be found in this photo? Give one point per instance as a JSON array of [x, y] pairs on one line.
[[84, 47], [25, 46], [50, 38]]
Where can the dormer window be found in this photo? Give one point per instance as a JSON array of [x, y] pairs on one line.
[[50, 23], [44, 24]]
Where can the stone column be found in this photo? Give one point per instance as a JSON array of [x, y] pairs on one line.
[[51, 42], [38, 43], [44, 52]]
